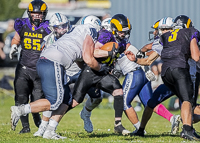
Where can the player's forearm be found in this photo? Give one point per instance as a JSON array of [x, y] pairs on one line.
[[98, 53], [146, 47], [92, 63]]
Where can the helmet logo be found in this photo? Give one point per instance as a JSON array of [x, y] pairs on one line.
[[30, 7], [43, 7]]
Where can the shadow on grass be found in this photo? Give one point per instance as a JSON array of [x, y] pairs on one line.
[[90, 135], [166, 134]]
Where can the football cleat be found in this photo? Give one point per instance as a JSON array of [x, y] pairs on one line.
[[120, 129], [86, 119], [190, 135], [25, 130], [14, 116], [175, 123], [40, 131], [51, 134], [138, 133]]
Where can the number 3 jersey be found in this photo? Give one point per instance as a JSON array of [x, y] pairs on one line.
[[30, 40], [176, 48]]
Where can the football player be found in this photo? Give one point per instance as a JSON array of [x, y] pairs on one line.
[[109, 83], [29, 34], [60, 25]]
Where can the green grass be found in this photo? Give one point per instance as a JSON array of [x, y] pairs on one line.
[[71, 126]]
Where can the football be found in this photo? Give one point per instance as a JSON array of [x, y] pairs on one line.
[[108, 46]]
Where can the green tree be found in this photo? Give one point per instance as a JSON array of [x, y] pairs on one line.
[[9, 9]]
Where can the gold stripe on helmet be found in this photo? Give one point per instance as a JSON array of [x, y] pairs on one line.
[[43, 7], [156, 25], [117, 24], [129, 26], [30, 7], [188, 23]]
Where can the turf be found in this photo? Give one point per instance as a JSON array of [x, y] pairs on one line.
[[71, 126]]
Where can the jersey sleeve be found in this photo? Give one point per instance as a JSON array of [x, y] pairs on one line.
[[19, 22], [93, 34], [105, 37], [195, 34]]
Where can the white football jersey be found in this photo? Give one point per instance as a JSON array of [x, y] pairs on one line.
[[157, 47], [126, 65], [68, 48], [49, 40]]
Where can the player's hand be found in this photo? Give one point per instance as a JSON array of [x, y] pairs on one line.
[[113, 53], [130, 56], [116, 73], [13, 50], [150, 75], [140, 54], [104, 69]]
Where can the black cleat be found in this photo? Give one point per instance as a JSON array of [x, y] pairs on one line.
[[25, 130], [138, 133], [121, 130], [190, 135]]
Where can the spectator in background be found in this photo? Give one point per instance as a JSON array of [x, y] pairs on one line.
[[9, 29]]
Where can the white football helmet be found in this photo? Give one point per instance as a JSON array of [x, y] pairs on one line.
[[106, 24], [93, 20], [165, 23], [60, 24]]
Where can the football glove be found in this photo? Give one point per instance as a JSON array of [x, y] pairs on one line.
[[116, 73], [105, 69], [150, 75], [113, 53], [140, 54], [13, 50]]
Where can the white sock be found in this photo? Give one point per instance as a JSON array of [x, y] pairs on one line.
[[53, 123], [44, 123], [137, 125], [171, 118], [27, 108]]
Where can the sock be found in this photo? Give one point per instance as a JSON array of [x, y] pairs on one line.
[[162, 111], [44, 123], [187, 127], [118, 105], [53, 123], [117, 122], [137, 125], [27, 108]]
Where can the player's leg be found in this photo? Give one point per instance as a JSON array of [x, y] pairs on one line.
[[132, 85], [111, 84], [22, 91], [92, 102], [184, 87]]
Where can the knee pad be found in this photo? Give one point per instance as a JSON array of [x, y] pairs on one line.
[[47, 113]]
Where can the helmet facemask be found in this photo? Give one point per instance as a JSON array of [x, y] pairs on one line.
[[61, 29]]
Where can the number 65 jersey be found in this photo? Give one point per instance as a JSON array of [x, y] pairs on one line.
[[176, 48], [30, 40]]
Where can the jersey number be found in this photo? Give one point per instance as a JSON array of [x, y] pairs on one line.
[[34, 46], [173, 35]]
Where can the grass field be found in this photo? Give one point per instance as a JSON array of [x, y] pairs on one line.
[[71, 126]]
